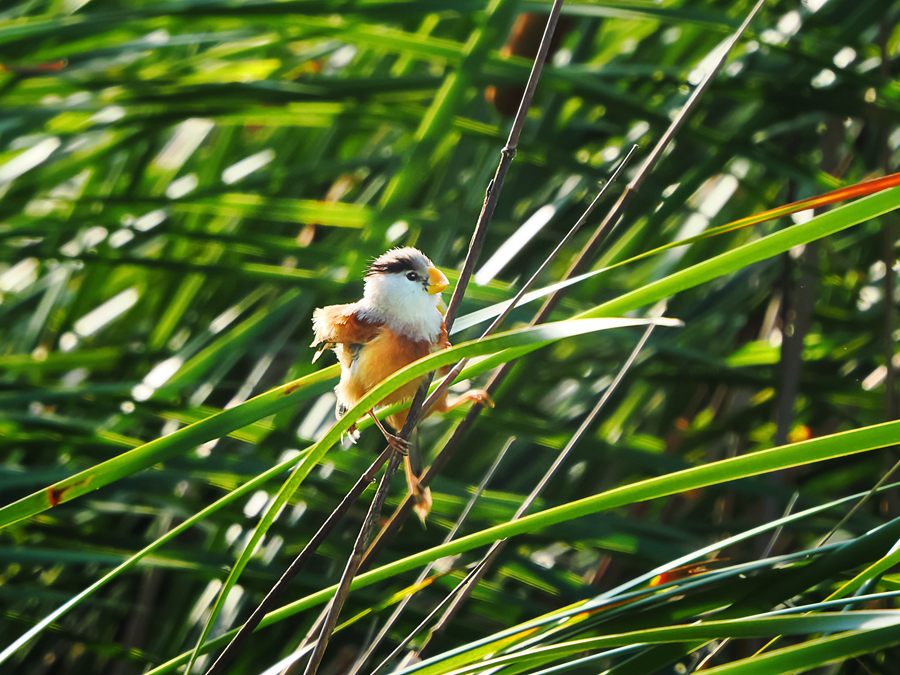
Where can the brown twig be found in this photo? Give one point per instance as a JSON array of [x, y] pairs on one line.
[[361, 660], [506, 157], [359, 547], [226, 658], [891, 402], [492, 196], [463, 591], [631, 190], [889, 256], [405, 641]]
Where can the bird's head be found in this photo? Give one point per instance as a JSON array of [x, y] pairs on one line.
[[403, 289]]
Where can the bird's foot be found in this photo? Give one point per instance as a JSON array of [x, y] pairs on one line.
[[397, 443], [478, 396], [351, 435]]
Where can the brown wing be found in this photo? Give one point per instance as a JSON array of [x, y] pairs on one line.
[[339, 324]]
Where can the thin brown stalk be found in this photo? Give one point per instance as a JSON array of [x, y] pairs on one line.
[[493, 194], [463, 592], [226, 658], [506, 157], [889, 257], [891, 402], [360, 662], [856, 507], [359, 547], [399, 648], [587, 253]]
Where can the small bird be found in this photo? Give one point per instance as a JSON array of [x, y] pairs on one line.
[[400, 319]]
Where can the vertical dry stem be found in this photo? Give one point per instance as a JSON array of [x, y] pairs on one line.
[[490, 202]]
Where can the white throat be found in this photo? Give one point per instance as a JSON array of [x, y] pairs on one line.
[[403, 305]]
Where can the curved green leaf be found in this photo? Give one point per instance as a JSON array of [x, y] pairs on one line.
[[708, 630], [163, 448], [764, 461], [803, 657], [727, 263], [533, 337]]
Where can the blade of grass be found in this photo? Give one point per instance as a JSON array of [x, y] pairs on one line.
[[706, 630], [136, 558], [360, 662], [465, 590], [161, 449], [766, 247], [761, 462], [802, 657], [830, 198], [277, 399], [531, 336]]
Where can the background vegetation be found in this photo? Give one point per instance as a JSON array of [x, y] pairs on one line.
[[184, 182]]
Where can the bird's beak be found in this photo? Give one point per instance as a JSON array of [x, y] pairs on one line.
[[437, 282]]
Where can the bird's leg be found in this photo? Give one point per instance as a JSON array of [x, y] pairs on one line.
[[395, 442], [421, 495], [478, 396]]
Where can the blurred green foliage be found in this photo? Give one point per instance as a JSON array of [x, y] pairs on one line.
[[182, 183]]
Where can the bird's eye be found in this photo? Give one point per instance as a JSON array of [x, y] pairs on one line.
[[412, 276]]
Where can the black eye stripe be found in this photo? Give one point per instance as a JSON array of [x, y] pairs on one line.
[[390, 267]]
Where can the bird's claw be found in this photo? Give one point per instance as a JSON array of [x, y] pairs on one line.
[[398, 444], [352, 435], [481, 397]]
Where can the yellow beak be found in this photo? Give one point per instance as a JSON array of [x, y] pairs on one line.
[[437, 282]]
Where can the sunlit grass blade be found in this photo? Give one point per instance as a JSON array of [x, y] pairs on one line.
[[188, 523], [802, 657], [876, 569], [533, 337], [763, 461], [162, 448], [706, 630], [738, 258], [859, 190]]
